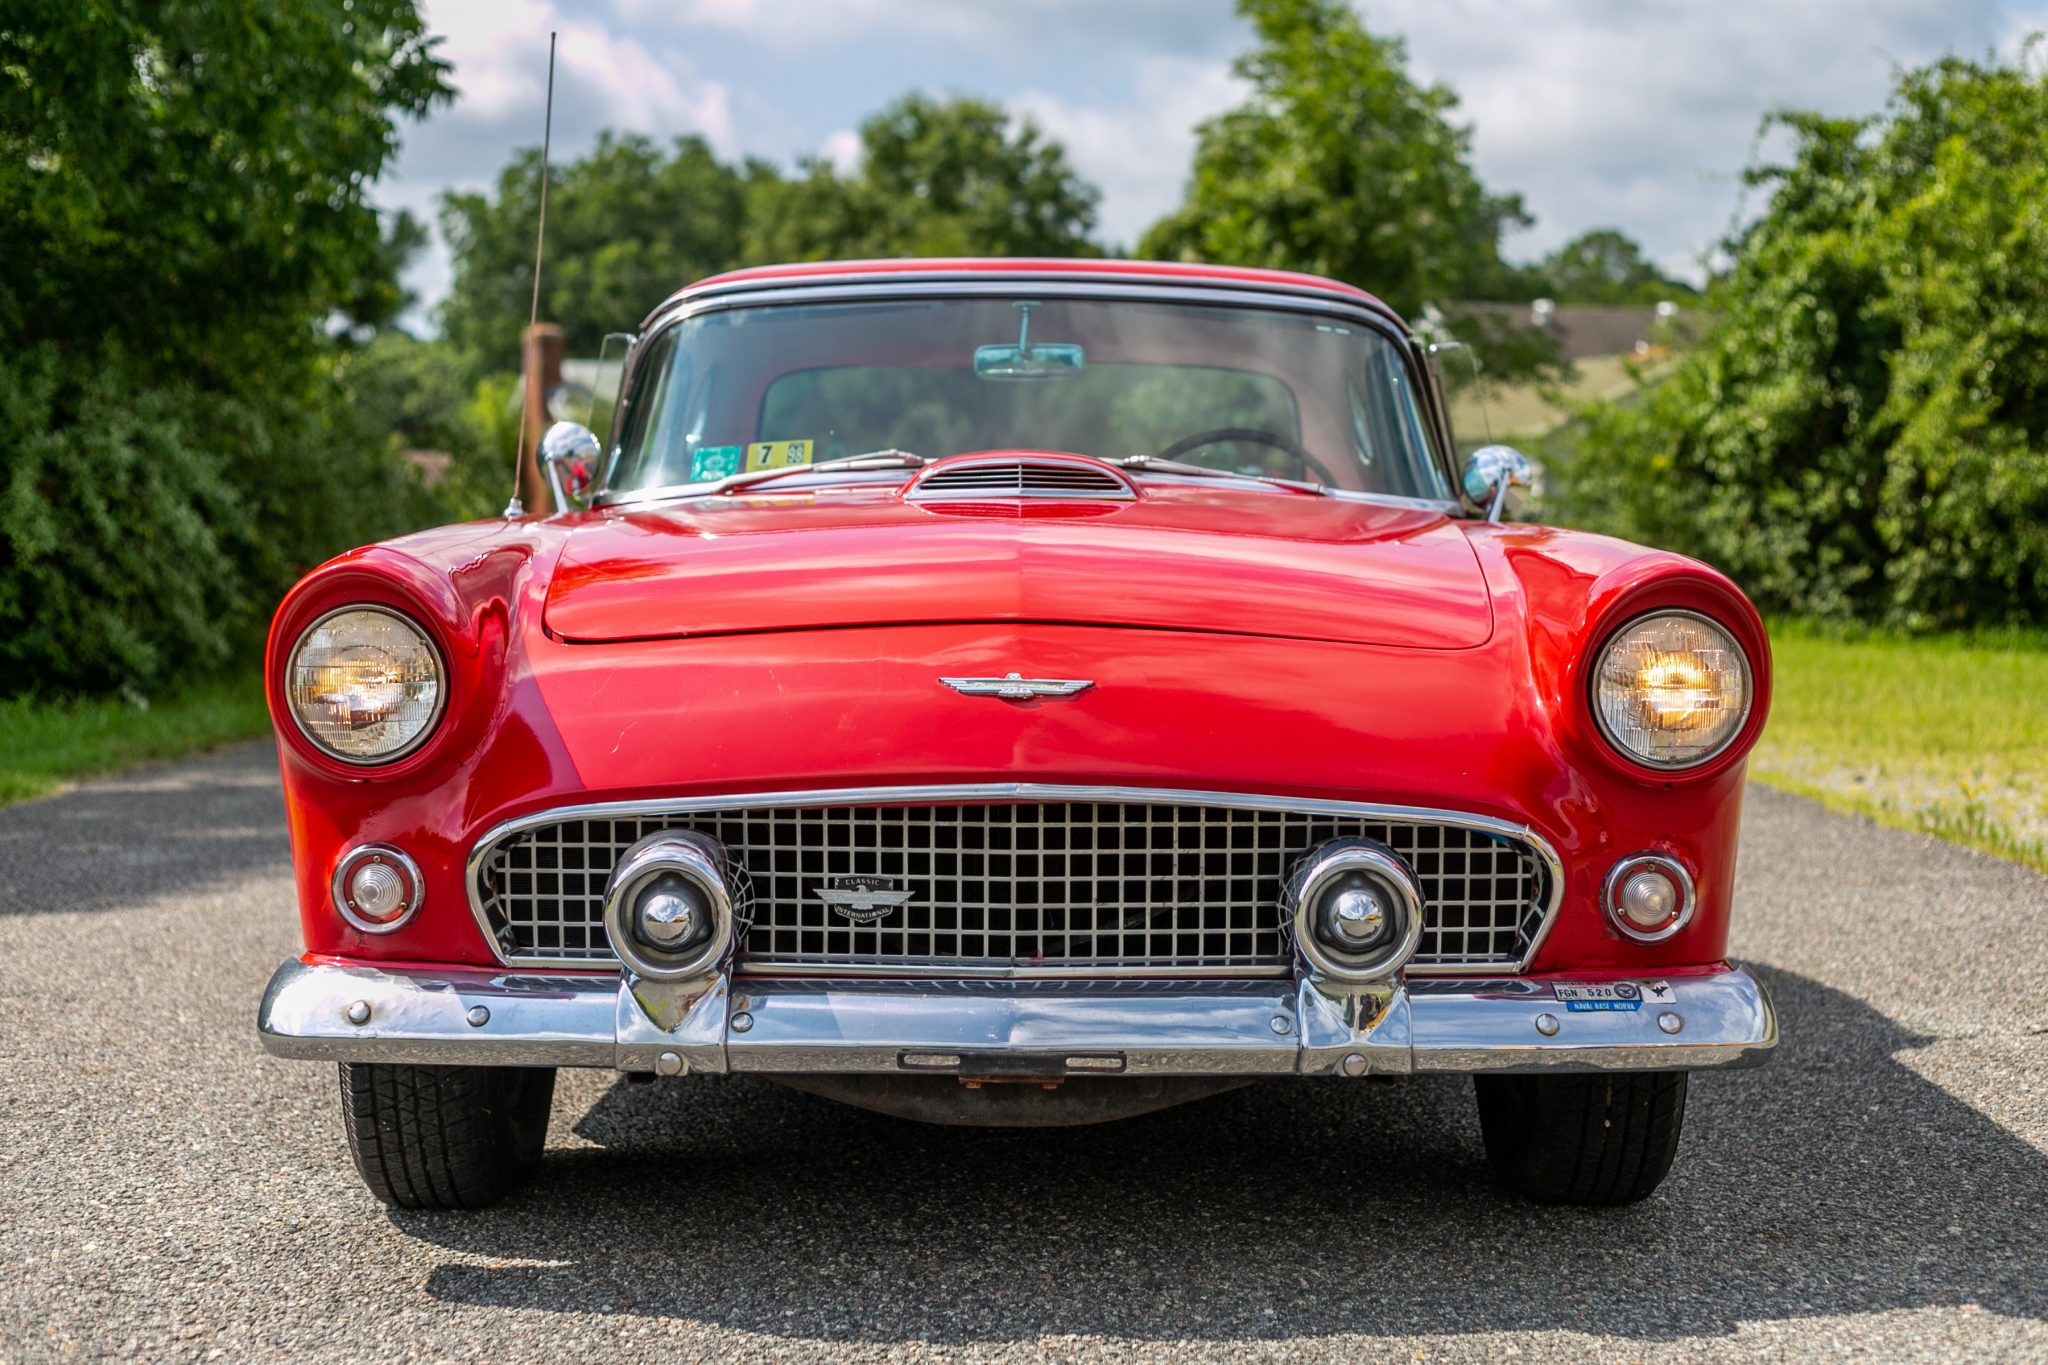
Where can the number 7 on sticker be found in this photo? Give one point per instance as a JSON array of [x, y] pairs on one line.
[[778, 454]]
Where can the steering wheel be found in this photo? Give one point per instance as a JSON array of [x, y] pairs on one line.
[[1253, 436]]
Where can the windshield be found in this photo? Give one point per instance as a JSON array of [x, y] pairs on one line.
[[1247, 390]]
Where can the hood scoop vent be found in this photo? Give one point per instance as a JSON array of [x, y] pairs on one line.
[[1000, 478]]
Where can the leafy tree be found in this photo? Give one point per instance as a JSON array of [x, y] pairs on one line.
[[147, 529], [380, 295], [953, 177], [1342, 165], [191, 175], [627, 225], [1864, 432], [183, 215], [630, 222], [1606, 266]]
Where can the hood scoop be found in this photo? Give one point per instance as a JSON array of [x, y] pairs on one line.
[[1000, 478]]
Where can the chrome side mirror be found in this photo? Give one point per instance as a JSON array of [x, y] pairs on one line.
[[1491, 471], [569, 453]]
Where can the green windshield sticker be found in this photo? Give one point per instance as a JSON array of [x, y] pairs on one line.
[[714, 462]]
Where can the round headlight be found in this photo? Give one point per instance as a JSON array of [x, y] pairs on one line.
[[1671, 689], [365, 684]]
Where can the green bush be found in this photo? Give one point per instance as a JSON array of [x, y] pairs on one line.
[[146, 531], [1864, 433]]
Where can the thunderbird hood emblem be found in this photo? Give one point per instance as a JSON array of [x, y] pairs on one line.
[[1011, 687]]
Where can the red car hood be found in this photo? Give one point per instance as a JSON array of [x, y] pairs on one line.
[[1225, 560]]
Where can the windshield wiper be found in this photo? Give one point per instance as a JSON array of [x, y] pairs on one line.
[[1152, 464], [851, 464]]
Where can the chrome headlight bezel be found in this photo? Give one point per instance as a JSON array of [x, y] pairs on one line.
[[426, 731], [1656, 763]]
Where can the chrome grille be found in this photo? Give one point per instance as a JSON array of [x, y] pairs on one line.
[[1019, 478], [1068, 884]]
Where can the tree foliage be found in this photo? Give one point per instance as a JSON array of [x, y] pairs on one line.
[[1341, 164], [147, 529], [151, 154], [629, 223], [183, 218], [953, 177], [1605, 266], [1864, 433]]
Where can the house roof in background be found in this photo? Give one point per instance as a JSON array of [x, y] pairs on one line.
[[1583, 331]]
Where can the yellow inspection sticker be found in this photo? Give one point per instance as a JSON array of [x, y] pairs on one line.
[[777, 454]]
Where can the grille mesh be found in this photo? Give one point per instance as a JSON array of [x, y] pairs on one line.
[[1058, 884]]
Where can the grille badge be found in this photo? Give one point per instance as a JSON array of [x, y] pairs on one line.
[[1013, 687], [862, 899]]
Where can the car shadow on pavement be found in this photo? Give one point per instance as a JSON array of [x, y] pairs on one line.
[[1833, 1181], [119, 842]]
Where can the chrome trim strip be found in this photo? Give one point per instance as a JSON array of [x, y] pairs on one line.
[[985, 792], [1027, 1028], [1052, 277]]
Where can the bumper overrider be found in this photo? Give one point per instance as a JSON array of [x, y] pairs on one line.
[[1027, 1029]]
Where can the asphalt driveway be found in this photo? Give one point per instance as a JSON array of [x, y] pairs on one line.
[[167, 1190]]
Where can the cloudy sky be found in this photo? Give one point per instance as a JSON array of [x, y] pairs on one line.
[[1637, 114]]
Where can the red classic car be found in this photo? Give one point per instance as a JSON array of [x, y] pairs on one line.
[[1017, 692]]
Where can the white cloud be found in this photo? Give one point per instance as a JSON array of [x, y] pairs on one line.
[[498, 50], [1156, 25], [842, 149], [1643, 116]]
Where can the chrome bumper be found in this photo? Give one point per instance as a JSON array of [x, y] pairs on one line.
[[1036, 1029]]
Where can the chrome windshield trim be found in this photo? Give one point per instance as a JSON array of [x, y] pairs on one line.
[[1135, 287], [1051, 275], [978, 793]]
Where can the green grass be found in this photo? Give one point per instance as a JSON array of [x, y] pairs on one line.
[[45, 744], [1943, 734]]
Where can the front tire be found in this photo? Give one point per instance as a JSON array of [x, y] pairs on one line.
[[1601, 1139], [445, 1137]]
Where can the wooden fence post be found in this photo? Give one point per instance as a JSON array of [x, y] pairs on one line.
[[542, 348]]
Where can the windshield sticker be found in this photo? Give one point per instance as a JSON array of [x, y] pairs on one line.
[[777, 455], [1606, 997], [713, 463]]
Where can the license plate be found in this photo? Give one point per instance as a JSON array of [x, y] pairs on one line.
[[1602, 997]]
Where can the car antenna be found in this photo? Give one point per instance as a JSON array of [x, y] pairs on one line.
[[515, 508]]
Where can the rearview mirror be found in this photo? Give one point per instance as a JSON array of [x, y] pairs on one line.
[[569, 453], [1053, 360], [1492, 472], [1022, 360]]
